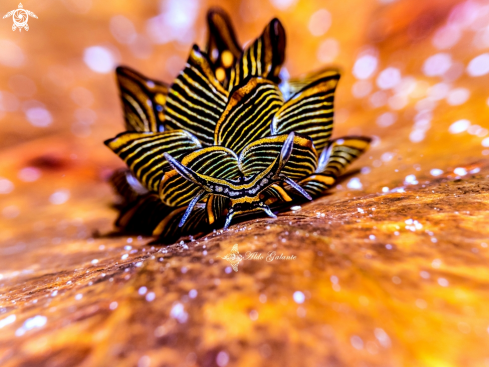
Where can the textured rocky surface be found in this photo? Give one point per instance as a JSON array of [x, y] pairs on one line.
[[390, 269]]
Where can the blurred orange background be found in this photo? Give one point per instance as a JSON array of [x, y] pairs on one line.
[[410, 69]]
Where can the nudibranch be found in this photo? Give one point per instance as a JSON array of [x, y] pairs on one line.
[[227, 138]]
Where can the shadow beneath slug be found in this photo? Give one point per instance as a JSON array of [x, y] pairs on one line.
[[276, 209]]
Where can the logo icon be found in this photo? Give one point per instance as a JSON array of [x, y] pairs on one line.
[[20, 17], [234, 257]]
